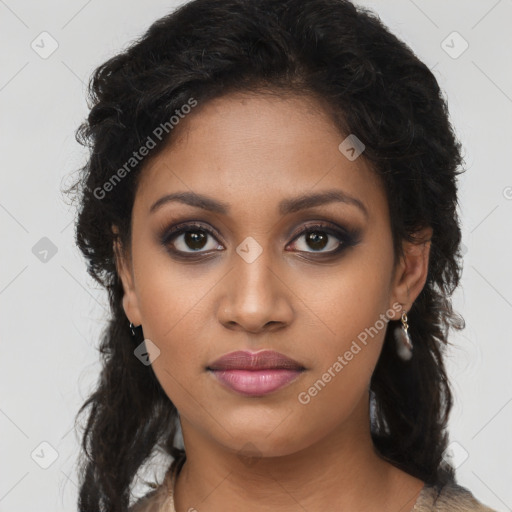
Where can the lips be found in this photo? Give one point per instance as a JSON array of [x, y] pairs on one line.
[[255, 373], [264, 360]]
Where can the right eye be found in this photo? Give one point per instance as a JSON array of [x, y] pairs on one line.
[[192, 236]]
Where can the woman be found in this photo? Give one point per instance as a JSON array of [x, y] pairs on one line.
[[270, 202]]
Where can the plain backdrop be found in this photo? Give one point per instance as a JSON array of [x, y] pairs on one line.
[[52, 312]]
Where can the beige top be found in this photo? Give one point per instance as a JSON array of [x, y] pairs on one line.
[[448, 498]]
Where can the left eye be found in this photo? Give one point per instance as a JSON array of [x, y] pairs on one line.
[[318, 239]]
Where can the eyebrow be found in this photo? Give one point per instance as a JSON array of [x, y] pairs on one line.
[[285, 207]]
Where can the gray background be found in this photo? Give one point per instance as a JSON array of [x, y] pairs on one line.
[[52, 312]]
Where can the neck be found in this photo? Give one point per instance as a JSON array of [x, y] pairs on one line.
[[341, 470]]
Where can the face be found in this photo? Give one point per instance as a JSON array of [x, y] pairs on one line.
[[263, 269]]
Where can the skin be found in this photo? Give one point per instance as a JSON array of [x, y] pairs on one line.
[[271, 452]]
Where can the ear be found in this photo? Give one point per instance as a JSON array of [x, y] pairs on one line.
[[411, 271], [125, 272]]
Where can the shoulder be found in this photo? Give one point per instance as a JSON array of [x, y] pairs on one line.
[[449, 497]]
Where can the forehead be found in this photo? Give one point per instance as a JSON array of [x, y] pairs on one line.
[[250, 150]]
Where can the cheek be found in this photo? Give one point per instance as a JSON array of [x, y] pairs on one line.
[[170, 295], [345, 357], [179, 328], [172, 300], [341, 303], [350, 323]]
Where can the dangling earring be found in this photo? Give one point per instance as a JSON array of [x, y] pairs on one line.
[[403, 340], [131, 329]]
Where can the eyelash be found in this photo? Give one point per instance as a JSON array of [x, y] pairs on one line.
[[347, 237]]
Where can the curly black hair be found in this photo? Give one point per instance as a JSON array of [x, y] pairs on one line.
[[371, 84]]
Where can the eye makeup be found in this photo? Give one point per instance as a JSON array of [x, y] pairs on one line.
[[177, 239]]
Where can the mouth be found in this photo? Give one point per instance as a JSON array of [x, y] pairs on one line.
[[255, 373]]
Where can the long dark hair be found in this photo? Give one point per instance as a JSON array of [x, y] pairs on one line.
[[372, 85]]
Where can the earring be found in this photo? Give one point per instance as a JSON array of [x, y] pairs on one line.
[[131, 329], [403, 340]]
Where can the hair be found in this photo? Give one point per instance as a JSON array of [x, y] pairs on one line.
[[372, 85]]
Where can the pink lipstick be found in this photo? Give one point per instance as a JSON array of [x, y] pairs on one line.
[[255, 373]]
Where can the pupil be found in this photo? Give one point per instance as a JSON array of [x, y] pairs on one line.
[[195, 239], [317, 240]]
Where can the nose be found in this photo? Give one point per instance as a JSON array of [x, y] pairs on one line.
[[256, 296]]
